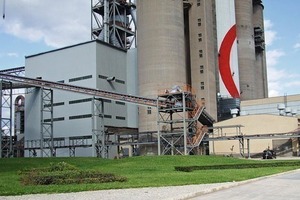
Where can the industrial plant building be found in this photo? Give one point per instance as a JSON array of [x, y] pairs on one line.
[[163, 72]]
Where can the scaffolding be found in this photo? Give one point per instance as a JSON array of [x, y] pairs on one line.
[[47, 123], [6, 139], [113, 21], [181, 126]]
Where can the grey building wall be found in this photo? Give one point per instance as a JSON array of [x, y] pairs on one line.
[[204, 53], [86, 64], [260, 52], [161, 51], [270, 105]]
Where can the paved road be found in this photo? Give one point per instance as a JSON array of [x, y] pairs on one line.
[[285, 186]]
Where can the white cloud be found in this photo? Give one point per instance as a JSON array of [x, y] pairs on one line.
[[297, 46], [279, 80], [12, 54], [273, 56], [56, 23], [270, 34]]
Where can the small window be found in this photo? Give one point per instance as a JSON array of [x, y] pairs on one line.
[[198, 3], [80, 116], [120, 118], [102, 77], [120, 81], [200, 37], [202, 85], [199, 21], [201, 69], [80, 78], [120, 103], [149, 110], [200, 53]]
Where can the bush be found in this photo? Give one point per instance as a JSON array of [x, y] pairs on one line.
[[64, 173]]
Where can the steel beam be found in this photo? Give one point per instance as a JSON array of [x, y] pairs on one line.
[[47, 142]]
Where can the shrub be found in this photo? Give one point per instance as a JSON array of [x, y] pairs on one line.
[[237, 166], [64, 173]]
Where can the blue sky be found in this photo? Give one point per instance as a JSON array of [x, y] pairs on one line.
[[34, 26]]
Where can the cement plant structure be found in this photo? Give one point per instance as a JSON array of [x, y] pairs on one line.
[[185, 55]]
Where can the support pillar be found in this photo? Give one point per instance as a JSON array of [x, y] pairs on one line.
[[47, 144], [98, 133], [248, 147], [6, 138]]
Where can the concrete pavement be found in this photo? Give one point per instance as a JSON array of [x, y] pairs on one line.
[[282, 186]]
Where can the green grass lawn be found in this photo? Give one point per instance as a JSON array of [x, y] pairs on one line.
[[143, 171]]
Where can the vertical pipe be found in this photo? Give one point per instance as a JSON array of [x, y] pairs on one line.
[[52, 151], [104, 149], [94, 139], [92, 20], [41, 121], [184, 124], [158, 128], [106, 21], [11, 154], [248, 147]]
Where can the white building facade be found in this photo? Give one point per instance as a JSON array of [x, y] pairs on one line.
[[93, 64]]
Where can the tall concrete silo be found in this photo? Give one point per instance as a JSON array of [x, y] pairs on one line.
[[259, 39], [161, 51], [246, 49]]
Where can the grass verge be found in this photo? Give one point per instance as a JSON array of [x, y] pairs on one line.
[[152, 171]]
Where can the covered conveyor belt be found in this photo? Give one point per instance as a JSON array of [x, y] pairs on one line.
[[84, 90]]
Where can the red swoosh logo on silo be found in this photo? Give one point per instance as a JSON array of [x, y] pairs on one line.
[[224, 62]]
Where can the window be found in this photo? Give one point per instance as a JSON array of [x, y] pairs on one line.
[[120, 81], [80, 101], [55, 104], [200, 37], [120, 103], [198, 3], [80, 116], [201, 69], [102, 77], [106, 100], [149, 110], [202, 85], [80, 78], [199, 21], [200, 53], [107, 116], [120, 118], [55, 119]]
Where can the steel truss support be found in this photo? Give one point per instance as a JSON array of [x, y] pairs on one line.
[[100, 149], [113, 21], [176, 124], [47, 143], [6, 138]]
